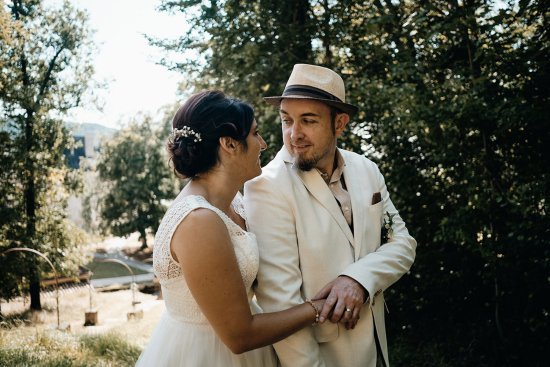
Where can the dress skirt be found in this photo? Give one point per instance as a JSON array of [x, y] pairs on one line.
[[184, 344]]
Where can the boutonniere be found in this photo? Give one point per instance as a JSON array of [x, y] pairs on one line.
[[387, 227]]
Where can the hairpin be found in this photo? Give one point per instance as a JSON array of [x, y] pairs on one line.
[[186, 132]]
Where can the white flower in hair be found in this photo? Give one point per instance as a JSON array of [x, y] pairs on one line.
[[186, 132]]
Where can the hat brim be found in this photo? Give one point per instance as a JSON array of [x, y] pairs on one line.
[[350, 109]]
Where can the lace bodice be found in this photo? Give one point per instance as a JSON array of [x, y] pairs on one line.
[[179, 302]]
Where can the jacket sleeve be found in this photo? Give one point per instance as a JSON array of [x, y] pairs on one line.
[[378, 270], [271, 218]]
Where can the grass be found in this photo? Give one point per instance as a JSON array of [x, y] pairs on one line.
[[53, 348], [28, 339], [111, 270]]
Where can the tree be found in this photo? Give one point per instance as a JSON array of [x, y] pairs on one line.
[[456, 98], [45, 61], [134, 170], [246, 49], [453, 107]]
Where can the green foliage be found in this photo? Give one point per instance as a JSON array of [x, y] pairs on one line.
[[457, 114], [44, 57], [133, 168], [245, 49], [454, 106]]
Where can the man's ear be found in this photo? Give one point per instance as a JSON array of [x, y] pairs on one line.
[[340, 124], [228, 144]]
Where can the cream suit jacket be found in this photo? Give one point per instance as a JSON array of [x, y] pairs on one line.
[[305, 242]]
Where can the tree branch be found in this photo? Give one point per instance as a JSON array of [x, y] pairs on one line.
[[47, 76]]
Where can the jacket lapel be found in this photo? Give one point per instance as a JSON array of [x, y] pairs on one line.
[[314, 183], [356, 191]]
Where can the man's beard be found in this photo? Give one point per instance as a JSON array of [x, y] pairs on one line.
[[307, 164]]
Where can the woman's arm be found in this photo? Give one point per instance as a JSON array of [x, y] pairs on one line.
[[202, 246]]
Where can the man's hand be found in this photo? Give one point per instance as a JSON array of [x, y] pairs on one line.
[[345, 297]]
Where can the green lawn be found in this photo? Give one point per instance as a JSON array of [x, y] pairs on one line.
[[110, 270]]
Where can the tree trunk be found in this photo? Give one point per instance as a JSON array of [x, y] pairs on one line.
[[34, 286], [301, 45], [30, 208], [143, 238], [327, 36]]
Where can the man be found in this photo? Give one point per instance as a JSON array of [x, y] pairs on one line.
[[317, 212]]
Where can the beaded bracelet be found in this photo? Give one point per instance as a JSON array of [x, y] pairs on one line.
[[316, 311]]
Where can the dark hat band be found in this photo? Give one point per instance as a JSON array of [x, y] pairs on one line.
[[307, 91]]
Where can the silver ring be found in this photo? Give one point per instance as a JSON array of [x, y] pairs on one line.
[[348, 309]]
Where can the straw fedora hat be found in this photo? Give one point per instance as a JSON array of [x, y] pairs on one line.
[[318, 83]]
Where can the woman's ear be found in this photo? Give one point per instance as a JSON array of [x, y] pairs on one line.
[[228, 144]]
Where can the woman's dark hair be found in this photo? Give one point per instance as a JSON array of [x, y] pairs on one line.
[[212, 115]]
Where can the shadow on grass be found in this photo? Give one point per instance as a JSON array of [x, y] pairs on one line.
[[14, 320], [26, 317]]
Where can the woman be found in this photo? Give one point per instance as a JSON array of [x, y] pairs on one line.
[[204, 258]]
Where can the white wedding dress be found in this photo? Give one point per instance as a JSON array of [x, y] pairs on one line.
[[184, 337]]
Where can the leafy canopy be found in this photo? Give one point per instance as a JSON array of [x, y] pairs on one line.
[[454, 105], [46, 69], [137, 182]]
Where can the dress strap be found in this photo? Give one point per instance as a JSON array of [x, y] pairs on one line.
[[238, 205]]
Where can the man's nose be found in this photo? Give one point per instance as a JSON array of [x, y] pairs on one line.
[[296, 132]]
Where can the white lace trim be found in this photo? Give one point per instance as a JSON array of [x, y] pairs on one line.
[[238, 205]]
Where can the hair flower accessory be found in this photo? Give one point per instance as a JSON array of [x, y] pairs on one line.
[[387, 228], [186, 132]]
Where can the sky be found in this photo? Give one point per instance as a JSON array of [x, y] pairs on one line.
[[127, 62]]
